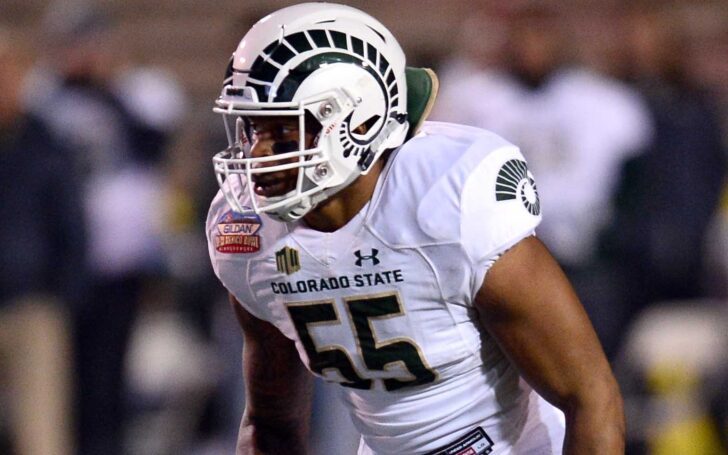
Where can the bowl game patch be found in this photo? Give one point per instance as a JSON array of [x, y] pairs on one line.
[[236, 233]]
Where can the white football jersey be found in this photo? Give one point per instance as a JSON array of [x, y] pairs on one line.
[[384, 305], [576, 130]]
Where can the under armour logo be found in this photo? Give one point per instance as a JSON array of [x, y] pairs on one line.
[[372, 257]]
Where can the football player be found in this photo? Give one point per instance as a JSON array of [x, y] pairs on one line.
[[392, 256]]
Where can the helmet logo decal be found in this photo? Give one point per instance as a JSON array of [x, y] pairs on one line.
[[277, 54], [350, 49], [514, 181]]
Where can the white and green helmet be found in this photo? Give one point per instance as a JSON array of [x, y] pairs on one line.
[[330, 62]]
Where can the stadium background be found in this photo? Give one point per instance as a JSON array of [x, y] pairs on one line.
[[182, 358]]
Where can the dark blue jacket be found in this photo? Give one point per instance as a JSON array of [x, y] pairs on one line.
[[41, 215]]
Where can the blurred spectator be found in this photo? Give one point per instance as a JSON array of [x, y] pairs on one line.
[[669, 195], [665, 204], [41, 266], [673, 375], [574, 126], [117, 122], [480, 46]]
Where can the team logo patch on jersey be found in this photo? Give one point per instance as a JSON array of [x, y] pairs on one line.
[[516, 182], [236, 233], [287, 260]]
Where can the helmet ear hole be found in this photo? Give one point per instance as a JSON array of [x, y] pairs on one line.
[[364, 127]]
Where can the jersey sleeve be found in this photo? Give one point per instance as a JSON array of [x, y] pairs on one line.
[[499, 207]]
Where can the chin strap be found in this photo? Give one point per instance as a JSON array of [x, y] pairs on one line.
[[298, 210], [308, 203]]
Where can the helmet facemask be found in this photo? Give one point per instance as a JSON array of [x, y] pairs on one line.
[[236, 169]]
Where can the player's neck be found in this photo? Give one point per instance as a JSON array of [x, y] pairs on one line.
[[335, 212]]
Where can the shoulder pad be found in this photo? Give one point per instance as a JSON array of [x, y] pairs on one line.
[[457, 184], [234, 241], [499, 205]]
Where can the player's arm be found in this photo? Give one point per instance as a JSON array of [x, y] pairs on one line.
[[278, 390], [528, 305]]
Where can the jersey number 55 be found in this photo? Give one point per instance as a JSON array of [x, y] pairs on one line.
[[377, 354]]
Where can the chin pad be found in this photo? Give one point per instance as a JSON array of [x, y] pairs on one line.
[[422, 88]]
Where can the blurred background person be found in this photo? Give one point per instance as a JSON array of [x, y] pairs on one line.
[[41, 267], [667, 196], [666, 203], [575, 126], [149, 209], [115, 120], [479, 50]]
